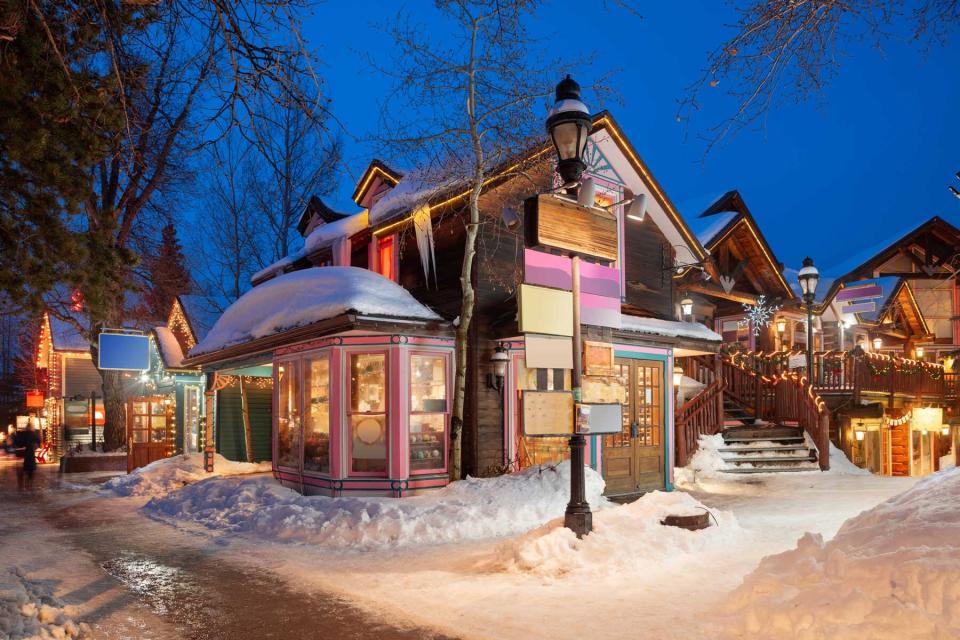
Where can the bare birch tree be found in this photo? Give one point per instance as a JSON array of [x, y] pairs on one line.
[[789, 50], [463, 105]]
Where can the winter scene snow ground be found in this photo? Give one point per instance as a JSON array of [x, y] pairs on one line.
[[840, 554]]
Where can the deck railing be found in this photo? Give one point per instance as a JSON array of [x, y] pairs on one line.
[[701, 415], [854, 372]]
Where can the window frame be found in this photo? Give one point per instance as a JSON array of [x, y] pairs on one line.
[[377, 246], [448, 383], [306, 358], [349, 412]]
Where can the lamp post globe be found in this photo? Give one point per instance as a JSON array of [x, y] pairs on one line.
[[809, 277], [568, 124]]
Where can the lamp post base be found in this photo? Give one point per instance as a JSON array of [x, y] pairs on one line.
[[578, 517]]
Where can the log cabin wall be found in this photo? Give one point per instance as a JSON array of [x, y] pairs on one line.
[[900, 450]]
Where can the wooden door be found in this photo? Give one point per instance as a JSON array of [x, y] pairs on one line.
[[149, 430], [633, 459]]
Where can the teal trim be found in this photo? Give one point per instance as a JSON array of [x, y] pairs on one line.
[[594, 443], [668, 420], [598, 165]]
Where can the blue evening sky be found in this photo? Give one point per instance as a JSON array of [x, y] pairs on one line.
[[830, 177]]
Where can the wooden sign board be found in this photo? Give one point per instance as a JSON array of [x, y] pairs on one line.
[[548, 352], [34, 399], [597, 358], [600, 418], [602, 390], [547, 413], [551, 221], [860, 292], [600, 311], [548, 311]]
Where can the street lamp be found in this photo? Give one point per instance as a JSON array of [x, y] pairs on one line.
[[809, 277], [568, 124], [499, 361], [686, 307]]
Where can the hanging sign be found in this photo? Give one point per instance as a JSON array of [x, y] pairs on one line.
[[600, 311], [124, 352], [34, 399], [859, 307], [548, 352], [860, 292], [545, 310], [597, 358], [547, 413], [594, 419], [552, 221], [547, 269]]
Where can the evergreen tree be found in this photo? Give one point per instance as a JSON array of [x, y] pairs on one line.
[[168, 274]]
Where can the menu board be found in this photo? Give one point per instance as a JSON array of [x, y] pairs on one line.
[[547, 413]]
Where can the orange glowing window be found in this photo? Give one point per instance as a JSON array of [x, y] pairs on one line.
[[386, 257]]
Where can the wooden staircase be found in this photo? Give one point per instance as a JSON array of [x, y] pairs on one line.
[[753, 446], [769, 423]]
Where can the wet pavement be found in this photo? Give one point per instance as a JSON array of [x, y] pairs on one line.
[[183, 579]]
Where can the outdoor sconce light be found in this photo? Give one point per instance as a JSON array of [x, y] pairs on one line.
[[877, 343], [499, 360], [686, 307], [781, 325], [919, 353], [677, 376], [945, 430], [568, 124], [860, 435]]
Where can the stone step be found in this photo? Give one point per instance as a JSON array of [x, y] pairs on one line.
[[798, 440], [769, 447]]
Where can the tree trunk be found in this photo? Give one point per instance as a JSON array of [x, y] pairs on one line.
[[115, 410]]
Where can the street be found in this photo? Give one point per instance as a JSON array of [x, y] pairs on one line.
[[133, 577]]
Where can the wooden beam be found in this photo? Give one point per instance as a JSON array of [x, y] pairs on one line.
[[715, 291], [245, 414]]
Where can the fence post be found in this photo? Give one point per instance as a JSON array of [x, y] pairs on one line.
[[824, 438]]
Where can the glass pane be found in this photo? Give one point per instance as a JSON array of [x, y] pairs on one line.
[[648, 406], [316, 444], [191, 419], [622, 439], [141, 435], [288, 415], [369, 435], [368, 382], [158, 408], [140, 407], [428, 384], [917, 452], [427, 442]]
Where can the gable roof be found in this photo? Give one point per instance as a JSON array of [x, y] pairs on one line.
[[202, 312], [376, 169], [901, 299], [317, 207]]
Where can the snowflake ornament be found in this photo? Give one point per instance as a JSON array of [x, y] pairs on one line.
[[760, 314]]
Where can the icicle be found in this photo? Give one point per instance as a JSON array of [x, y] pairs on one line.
[[423, 226]]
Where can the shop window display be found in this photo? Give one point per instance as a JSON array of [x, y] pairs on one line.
[[316, 444], [368, 413], [428, 412], [288, 415]]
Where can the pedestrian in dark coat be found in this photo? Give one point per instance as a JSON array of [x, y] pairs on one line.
[[26, 443]]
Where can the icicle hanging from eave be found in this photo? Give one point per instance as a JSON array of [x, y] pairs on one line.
[[423, 227]]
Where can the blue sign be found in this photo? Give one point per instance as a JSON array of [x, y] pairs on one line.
[[124, 352]]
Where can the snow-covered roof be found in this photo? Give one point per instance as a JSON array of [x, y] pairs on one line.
[[414, 190], [169, 348], [66, 337], [706, 228], [855, 260], [202, 312], [669, 328], [323, 236], [303, 297]]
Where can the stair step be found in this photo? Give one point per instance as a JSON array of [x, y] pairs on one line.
[[775, 460], [770, 447], [770, 470], [776, 439]]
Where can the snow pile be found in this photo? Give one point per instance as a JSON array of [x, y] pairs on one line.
[[163, 476], [472, 509], [669, 328], [413, 191], [302, 297], [28, 610], [631, 533], [890, 572], [326, 234]]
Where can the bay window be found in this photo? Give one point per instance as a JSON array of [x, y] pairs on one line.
[[316, 444], [288, 414], [368, 413], [428, 412]]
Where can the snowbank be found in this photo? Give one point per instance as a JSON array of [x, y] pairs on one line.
[[890, 572], [163, 476], [472, 509], [302, 297], [28, 610], [631, 533]]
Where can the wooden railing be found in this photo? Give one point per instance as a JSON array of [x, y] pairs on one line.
[[701, 415], [793, 400], [855, 372]]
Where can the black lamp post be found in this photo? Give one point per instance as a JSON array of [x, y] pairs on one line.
[[809, 277], [569, 126]]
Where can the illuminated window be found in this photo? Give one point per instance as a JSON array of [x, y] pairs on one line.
[[386, 257]]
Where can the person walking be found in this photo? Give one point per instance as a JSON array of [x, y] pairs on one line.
[[26, 443]]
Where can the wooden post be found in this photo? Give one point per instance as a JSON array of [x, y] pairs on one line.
[[719, 376], [245, 413], [208, 446], [824, 441]]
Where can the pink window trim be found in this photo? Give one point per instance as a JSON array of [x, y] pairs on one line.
[[349, 412], [445, 354]]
